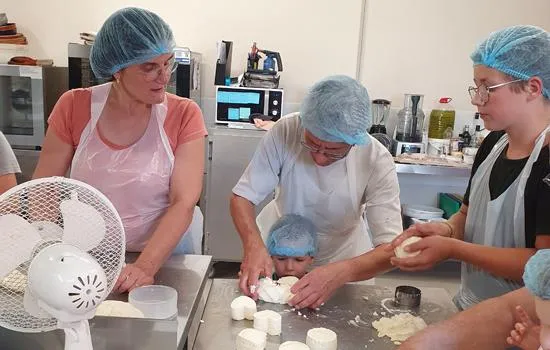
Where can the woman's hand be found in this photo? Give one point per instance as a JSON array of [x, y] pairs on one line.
[[443, 229], [133, 276], [433, 249]]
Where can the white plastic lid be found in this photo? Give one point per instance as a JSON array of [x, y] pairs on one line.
[[422, 212]]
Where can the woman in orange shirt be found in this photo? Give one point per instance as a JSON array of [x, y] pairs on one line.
[[140, 146]]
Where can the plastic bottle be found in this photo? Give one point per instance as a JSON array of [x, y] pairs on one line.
[[441, 118], [477, 137], [466, 137], [448, 135]]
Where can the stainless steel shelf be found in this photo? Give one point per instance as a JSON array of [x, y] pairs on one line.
[[435, 170]]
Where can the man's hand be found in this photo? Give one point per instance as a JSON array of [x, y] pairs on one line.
[[316, 287], [256, 263]]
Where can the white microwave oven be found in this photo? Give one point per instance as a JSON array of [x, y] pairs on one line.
[[242, 104]]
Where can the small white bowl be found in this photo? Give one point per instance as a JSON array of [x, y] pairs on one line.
[[158, 302]]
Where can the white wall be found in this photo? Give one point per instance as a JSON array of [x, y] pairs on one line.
[[419, 46], [315, 37], [423, 46]]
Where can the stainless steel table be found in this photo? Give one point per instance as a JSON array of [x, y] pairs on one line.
[[186, 273], [349, 313]]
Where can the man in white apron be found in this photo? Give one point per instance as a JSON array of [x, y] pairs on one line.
[[324, 166], [505, 219], [124, 149]]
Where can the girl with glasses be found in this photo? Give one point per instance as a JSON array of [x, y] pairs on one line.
[[504, 217]]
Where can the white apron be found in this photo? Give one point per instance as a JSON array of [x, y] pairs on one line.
[[136, 179], [497, 223], [335, 210]]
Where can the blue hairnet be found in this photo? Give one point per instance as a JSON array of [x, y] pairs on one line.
[[292, 235], [519, 51], [129, 36], [337, 109], [537, 274]]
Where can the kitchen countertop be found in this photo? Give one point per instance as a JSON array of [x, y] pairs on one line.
[[186, 273], [438, 170], [349, 313]]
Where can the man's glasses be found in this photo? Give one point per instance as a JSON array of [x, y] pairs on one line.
[[328, 154]]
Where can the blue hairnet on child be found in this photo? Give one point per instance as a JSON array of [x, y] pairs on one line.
[[129, 36], [537, 274], [292, 235], [519, 51], [337, 109]]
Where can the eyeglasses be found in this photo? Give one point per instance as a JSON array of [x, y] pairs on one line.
[[480, 94], [321, 150], [152, 71]]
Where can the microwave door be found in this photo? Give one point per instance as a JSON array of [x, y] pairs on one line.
[[22, 110]]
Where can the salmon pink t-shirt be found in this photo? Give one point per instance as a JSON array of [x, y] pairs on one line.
[[72, 112]]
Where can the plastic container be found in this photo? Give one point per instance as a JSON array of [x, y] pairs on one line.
[[441, 118], [470, 151], [410, 119], [468, 159], [420, 213], [438, 147], [449, 203], [158, 302]]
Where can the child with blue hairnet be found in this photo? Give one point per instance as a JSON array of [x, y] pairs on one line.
[[504, 217], [292, 244]]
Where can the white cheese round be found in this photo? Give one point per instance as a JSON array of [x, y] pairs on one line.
[[293, 345], [268, 321], [321, 339], [400, 250], [243, 307], [115, 308], [251, 339]]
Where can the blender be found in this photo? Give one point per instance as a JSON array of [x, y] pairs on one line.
[[408, 133], [380, 113]]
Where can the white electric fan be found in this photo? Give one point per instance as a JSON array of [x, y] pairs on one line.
[[62, 248]]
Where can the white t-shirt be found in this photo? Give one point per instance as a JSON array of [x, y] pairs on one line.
[[378, 189], [8, 162]]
